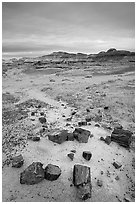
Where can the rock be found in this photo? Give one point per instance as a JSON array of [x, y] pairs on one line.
[[69, 119], [117, 165], [36, 138], [60, 137], [99, 183], [71, 156], [117, 178], [102, 172], [73, 113], [122, 137], [52, 172], [33, 174], [39, 106], [106, 108], [82, 123], [88, 118], [87, 155], [41, 113], [30, 136], [127, 199], [73, 150], [97, 125], [108, 140], [82, 181], [81, 135], [33, 113], [88, 110], [81, 174], [42, 130], [42, 120], [17, 161], [52, 80], [102, 138]]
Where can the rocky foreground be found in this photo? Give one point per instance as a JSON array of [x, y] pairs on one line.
[[69, 135]]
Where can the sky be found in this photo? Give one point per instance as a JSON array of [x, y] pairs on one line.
[[38, 28]]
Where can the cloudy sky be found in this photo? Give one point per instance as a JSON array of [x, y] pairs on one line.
[[31, 29]]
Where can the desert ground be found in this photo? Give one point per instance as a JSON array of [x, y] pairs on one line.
[[57, 93]]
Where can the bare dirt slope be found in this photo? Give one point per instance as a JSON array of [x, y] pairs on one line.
[[59, 95]]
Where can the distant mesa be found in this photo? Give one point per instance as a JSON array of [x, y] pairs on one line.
[[65, 57], [111, 50]]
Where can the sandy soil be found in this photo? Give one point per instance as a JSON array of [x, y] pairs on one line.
[[64, 93]]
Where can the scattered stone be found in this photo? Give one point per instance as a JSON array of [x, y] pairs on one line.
[[17, 161], [42, 120], [97, 125], [69, 119], [88, 110], [101, 172], [36, 138], [127, 199], [117, 165], [41, 113], [52, 172], [82, 181], [39, 106], [91, 135], [87, 155], [52, 80], [99, 183], [117, 178], [82, 123], [88, 118], [108, 140], [30, 136], [68, 124], [73, 150], [42, 130], [71, 156], [102, 138], [33, 174], [33, 113], [59, 137], [73, 113], [122, 137], [81, 135]]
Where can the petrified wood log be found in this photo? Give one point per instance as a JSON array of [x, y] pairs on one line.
[[122, 137], [82, 180], [81, 135], [33, 174]]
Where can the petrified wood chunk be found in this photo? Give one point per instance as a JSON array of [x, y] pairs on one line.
[[82, 180], [33, 174], [81, 135], [52, 172], [59, 137], [87, 155], [122, 137], [17, 161]]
